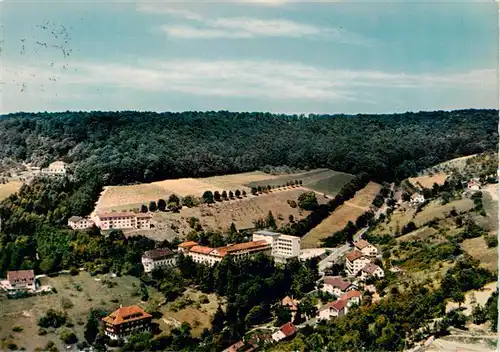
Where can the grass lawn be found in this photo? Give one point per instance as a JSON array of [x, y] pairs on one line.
[[477, 248], [79, 294]]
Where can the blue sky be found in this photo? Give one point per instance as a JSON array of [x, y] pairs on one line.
[[279, 56]]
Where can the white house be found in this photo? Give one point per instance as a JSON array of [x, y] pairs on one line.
[[474, 185], [80, 223], [333, 309], [366, 248], [283, 246], [123, 220], [21, 280], [286, 331], [416, 199], [354, 262], [55, 168], [371, 270], [335, 285], [158, 257], [351, 297]]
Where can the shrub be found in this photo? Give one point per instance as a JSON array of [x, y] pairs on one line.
[[17, 328], [12, 347], [68, 337], [53, 319], [204, 299], [42, 332], [66, 303], [492, 241], [292, 203], [73, 271]]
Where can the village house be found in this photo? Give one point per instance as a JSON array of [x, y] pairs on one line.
[[241, 346], [283, 246], [122, 220], [291, 304], [286, 331], [354, 262], [371, 270], [416, 199], [21, 280], [333, 309], [126, 321], [366, 248], [335, 285], [209, 255], [352, 298], [157, 258], [474, 184], [80, 223], [57, 168]]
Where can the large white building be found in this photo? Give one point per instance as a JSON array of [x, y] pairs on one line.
[[55, 168], [157, 258], [122, 220], [283, 246], [355, 261], [209, 255]]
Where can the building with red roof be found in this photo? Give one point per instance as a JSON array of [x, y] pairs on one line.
[[122, 220], [333, 309], [21, 280], [351, 297], [336, 285], [158, 257], [355, 261], [371, 270], [366, 248], [127, 321], [286, 331]]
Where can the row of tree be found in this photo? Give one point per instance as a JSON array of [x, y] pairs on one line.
[[209, 198], [264, 189]]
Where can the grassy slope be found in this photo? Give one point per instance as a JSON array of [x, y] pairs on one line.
[[9, 188]]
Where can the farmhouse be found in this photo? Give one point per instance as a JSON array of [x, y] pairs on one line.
[[80, 223], [209, 255], [21, 280], [241, 346], [291, 304], [351, 297], [283, 246], [366, 248], [156, 258], [57, 168], [286, 331], [355, 261], [371, 270], [123, 220], [126, 321], [335, 285], [333, 309]]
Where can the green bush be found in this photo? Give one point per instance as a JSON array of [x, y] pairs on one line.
[[17, 328], [66, 303], [53, 319], [73, 271], [68, 337], [492, 241], [204, 299]]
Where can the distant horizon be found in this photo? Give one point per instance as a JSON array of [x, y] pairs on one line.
[[279, 56]]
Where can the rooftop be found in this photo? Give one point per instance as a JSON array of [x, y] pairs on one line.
[[288, 329], [75, 218], [20, 275], [336, 281], [353, 255], [158, 253], [290, 302], [267, 233], [337, 305], [361, 244], [122, 214], [350, 294], [370, 268], [201, 249], [126, 314], [187, 244]]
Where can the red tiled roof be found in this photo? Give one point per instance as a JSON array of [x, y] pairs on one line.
[[336, 281], [353, 255], [201, 249], [143, 216], [338, 304], [361, 244], [158, 253], [235, 347], [187, 244], [20, 275], [126, 314], [288, 329], [370, 268], [350, 294], [289, 302], [223, 251]]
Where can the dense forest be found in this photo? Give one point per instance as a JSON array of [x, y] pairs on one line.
[[129, 146]]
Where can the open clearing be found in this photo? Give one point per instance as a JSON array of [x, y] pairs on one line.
[[349, 211], [9, 188], [474, 297], [82, 292], [197, 314], [428, 180], [220, 215], [478, 249], [320, 180]]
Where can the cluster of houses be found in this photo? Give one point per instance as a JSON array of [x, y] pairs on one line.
[[112, 220], [360, 262], [280, 247]]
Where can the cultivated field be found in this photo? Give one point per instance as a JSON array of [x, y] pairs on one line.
[[78, 294], [428, 181], [197, 314], [8, 188], [320, 180], [349, 211], [478, 249], [220, 215]]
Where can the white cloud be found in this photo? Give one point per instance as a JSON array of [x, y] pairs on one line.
[[280, 82]]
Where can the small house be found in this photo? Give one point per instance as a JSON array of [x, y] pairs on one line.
[[286, 331]]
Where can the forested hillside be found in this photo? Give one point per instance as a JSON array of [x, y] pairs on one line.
[[124, 147]]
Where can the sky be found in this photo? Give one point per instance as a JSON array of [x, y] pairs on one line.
[[270, 55]]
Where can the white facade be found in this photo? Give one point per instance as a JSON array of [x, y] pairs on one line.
[[330, 311], [278, 336], [123, 220], [376, 272], [354, 265], [417, 198], [158, 258], [283, 246], [79, 223], [366, 248], [56, 168]]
